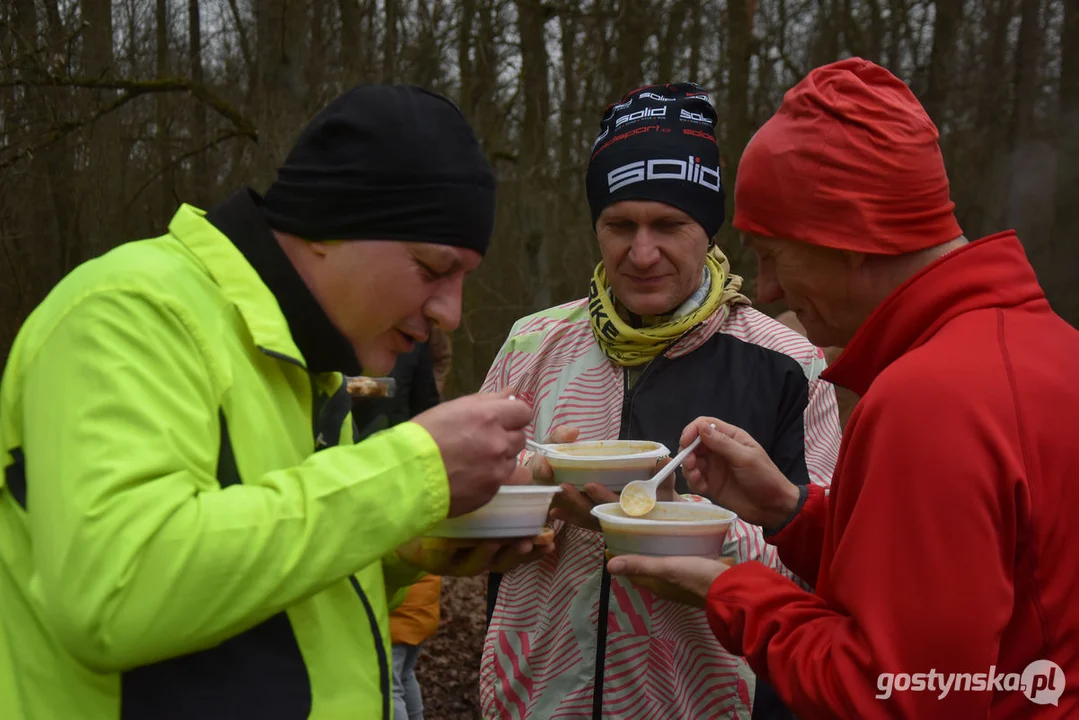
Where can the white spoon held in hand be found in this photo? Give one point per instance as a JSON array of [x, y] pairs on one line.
[[541, 448], [639, 497]]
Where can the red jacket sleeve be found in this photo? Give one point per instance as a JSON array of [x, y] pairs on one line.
[[916, 571], [800, 542]]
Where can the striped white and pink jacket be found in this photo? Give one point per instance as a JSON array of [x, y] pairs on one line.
[[661, 658]]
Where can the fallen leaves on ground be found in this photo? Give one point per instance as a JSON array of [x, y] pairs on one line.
[[449, 665]]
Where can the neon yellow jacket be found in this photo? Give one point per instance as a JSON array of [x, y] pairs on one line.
[[171, 542]]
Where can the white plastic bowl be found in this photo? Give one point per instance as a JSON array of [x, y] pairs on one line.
[[610, 463], [516, 511], [672, 528]]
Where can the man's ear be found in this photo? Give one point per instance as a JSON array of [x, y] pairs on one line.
[[322, 248], [296, 247], [855, 260]]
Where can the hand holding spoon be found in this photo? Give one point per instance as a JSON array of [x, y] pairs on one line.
[[541, 448]]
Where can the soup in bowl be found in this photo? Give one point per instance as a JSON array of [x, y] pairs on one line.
[[610, 463], [670, 529]]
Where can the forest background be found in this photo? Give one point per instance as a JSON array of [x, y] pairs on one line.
[[113, 112]]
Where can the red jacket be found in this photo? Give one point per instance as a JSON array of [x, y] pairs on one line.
[[950, 540]]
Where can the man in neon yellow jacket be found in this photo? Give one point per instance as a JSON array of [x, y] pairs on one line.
[[186, 527]]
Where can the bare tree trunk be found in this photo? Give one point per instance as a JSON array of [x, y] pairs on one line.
[[370, 52], [567, 114], [245, 45], [1027, 59], [826, 34], [389, 43], [352, 40], [133, 44], [738, 126], [670, 44], [532, 162], [97, 61], [317, 57], [768, 79], [570, 167], [875, 40], [897, 32], [164, 154], [485, 75], [534, 95], [43, 229], [848, 27], [695, 39], [634, 27], [941, 59], [1030, 164], [40, 230], [201, 185], [1065, 251], [280, 29], [426, 62], [988, 189], [464, 55]]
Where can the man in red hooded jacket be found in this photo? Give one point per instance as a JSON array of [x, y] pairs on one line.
[[944, 556]]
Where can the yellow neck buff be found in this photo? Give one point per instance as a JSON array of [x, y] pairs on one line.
[[628, 346]]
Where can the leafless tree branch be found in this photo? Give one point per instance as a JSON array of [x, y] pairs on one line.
[[134, 88]]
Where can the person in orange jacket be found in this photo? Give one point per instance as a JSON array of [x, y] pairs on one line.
[[413, 622], [417, 375]]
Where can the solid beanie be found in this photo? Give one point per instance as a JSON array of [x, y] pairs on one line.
[[659, 144], [849, 161], [386, 163]]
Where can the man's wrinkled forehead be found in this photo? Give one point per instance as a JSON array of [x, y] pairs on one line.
[[766, 246]]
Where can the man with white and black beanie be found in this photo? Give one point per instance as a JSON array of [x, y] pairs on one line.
[[663, 335], [659, 144]]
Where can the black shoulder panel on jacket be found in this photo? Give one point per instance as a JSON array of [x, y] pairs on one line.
[[15, 477], [259, 673], [762, 391]]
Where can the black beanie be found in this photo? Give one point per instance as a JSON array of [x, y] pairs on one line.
[[659, 144], [386, 163]]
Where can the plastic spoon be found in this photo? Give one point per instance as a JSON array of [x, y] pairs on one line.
[[541, 448], [639, 497]]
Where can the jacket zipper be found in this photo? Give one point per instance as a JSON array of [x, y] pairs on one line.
[[599, 670], [376, 633], [380, 648], [628, 397]]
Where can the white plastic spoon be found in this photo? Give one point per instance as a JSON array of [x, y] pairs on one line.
[[541, 448], [639, 497]]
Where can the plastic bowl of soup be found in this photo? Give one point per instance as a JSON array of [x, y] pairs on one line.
[[516, 511], [670, 529], [610, 463]]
